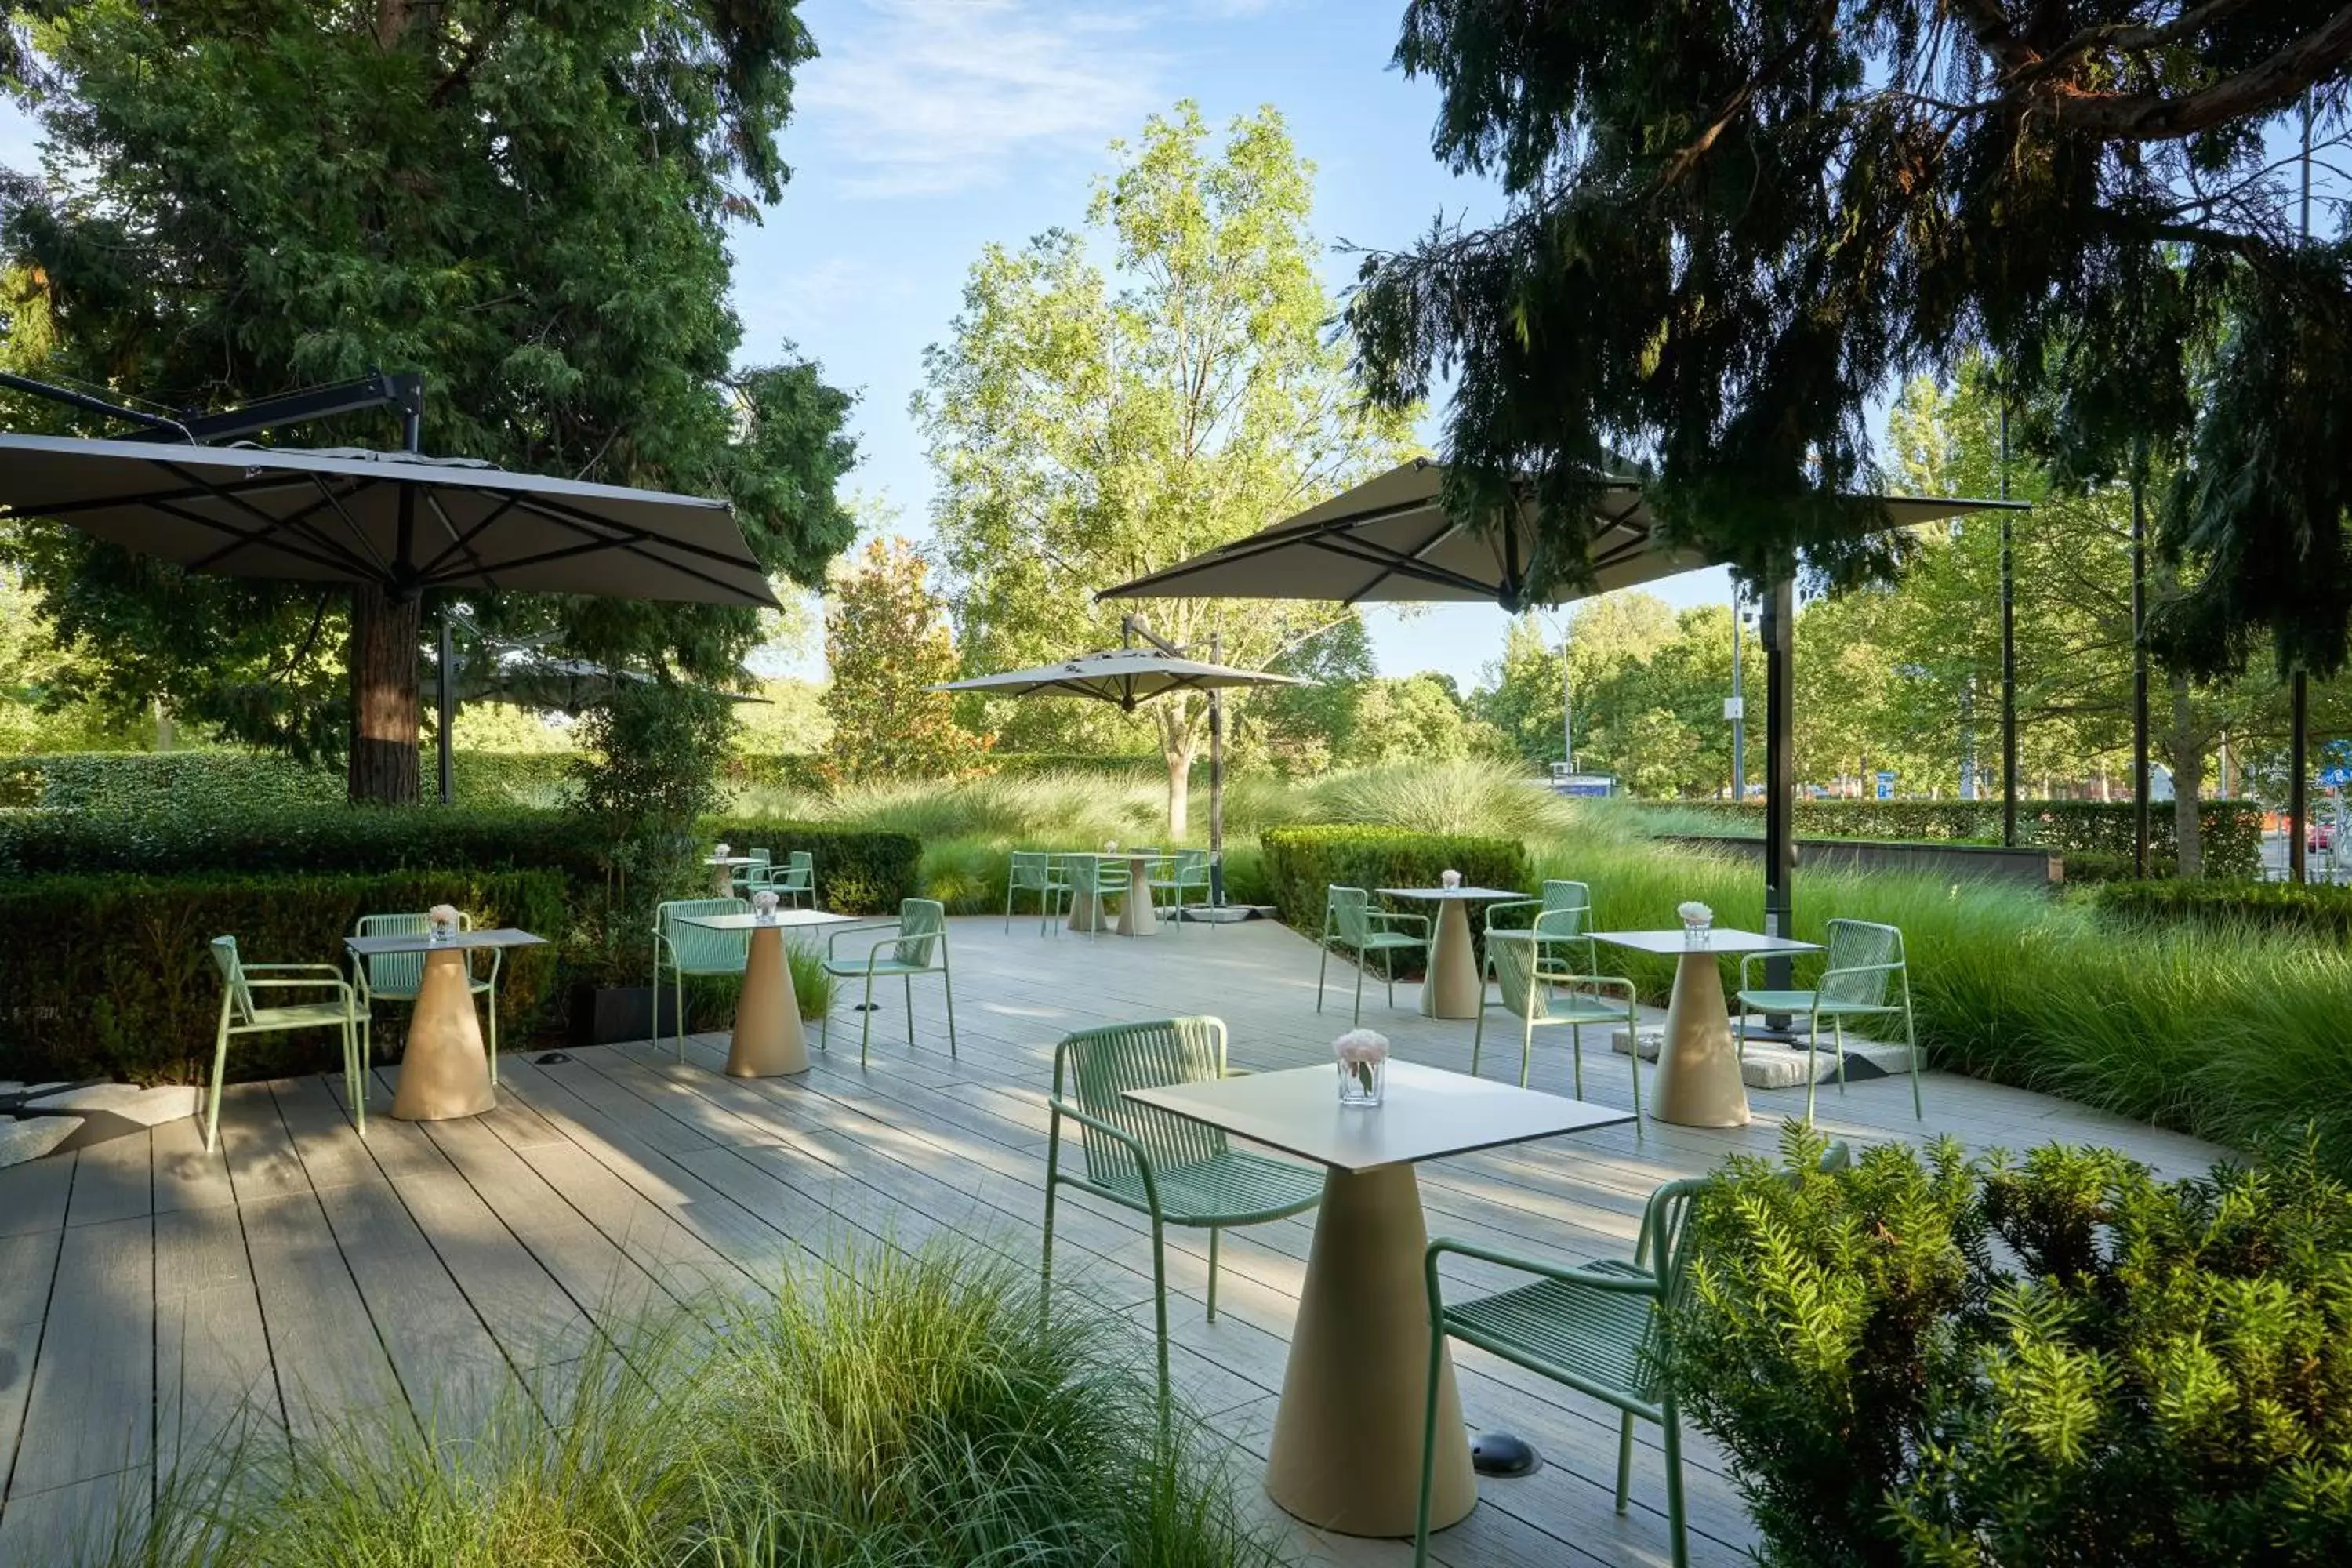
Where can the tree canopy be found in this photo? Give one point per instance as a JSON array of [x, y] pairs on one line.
[[886, 642], [1087, 425], [527, 204], [1732, 227]]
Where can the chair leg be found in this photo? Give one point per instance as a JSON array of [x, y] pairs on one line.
[[1428, 1441], [1046, 1259], [947, 992], [677, 1004], [1159, 1311], [1358, 1021], [1321, 965], [355, 1078], [907, 985], [1527, 1043], [1576, 1053], [1839, 1024], [212, 1104], [1673, 1442], [1213, 1234], [1388, 973], [1633, 1056], [1813, 1070], [1911, 1040], [1625, 1457], [825, 1031], [1478, 1034], [865, 1025]]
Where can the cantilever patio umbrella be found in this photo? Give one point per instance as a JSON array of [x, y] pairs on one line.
[[1390, 539], [1126, 676], [398, 522]]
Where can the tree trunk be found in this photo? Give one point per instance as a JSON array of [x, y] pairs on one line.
[[383, 697], [1180, 790], [2188, 782]]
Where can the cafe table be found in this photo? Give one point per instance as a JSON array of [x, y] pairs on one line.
[[769, 1041], [444, 1070], [722, 871], [1698, 1082], [1453, 988], [1345, 1451], [1136, 915]]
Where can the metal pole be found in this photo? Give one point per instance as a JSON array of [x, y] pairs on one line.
[[2140, 659], [2008, 652], [1567, 702], [1777, 628], [1216, 781], [2298, 793], [1738, 714], [446, 708]]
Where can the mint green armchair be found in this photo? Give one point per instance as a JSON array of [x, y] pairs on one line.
[[241, 1012], [914, 943], [1863, 975], [1534, 981], [692, 950], [1033, 871], [794, 881], [1177, 1170], [744, 880], [1350, 920], [1186, 871], [1565, 909]]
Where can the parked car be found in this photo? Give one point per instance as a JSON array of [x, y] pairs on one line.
[[2318, 835]]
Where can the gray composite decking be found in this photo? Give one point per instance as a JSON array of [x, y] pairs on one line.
[[147, 1288]]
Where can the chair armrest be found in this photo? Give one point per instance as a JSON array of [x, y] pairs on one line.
[[1060, 1108], [1386, 917], [832, 938], [1748, 960], [291, 969], [1497, 908], [313, 982], [1596, 983], [1566, 1273]]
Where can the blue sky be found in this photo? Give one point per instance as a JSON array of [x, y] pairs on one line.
[[928, 128]]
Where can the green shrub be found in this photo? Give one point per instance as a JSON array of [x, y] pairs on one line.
[[109, 976], [2002, 1363], [221, 783], [858, 871], [2230, 832], [2090, 867], [2316, 908], [1301, 862], [886, 1412]]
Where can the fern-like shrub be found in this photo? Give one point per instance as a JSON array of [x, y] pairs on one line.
[[1926, 1359]]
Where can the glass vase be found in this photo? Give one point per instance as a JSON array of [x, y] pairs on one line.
[[1363, 1083], [1695, 935]]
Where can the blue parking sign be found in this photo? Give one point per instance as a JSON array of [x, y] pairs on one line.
[[1886, 783]]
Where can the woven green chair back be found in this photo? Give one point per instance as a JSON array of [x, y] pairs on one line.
[[1191, 866], [1666, 1247], [233, 975], [922, 931], [1861, 944], [397, 974], [1518, 971], [1030, 869], [801, 866], [1350, 909], [1096, 1068], [759, 858], [1567, 909], [1090, 876], [694, 947]]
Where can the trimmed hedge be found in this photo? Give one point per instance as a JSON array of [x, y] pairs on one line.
[[1300, 863], [2229, 831], [110, 976], [223, 782], [2316, 908], [857, 872]]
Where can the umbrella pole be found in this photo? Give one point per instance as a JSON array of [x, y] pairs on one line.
[[446, 708], [1216, 784]]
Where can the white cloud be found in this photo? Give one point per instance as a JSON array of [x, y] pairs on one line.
[[803, 303], [933, 96]]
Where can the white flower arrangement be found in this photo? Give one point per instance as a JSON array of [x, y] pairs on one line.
[[1110, 846], [1449, 879], [764, 904], [443, 919], [718, 853], [1694, 913], [1362, 1056], [1361, 1047]]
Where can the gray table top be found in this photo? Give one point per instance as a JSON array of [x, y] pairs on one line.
[[1428, 1113], [1441, 895], [422, 941], [1719, 939], [732, 860], [753, 922]]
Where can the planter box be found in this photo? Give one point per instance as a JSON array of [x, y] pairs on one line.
[[607, 1015]]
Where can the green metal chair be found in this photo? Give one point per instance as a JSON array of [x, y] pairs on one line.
[[916, 944], [1349, 920], [1185, 871], [744, 878], [1564, 910], [794, 882], [241, 1014], [1176, 1171], [395, 976], [1032, 871], [1862, 974], [1542, 992], [1592, 1327], [690, 950], [1091, 877]]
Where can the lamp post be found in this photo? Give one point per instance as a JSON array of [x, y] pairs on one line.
[[1738, 709]]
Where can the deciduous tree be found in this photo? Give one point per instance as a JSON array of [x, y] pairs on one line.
[[887, 641]]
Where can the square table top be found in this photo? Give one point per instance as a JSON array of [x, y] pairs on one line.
[[1428, 1113], [1441, 895], [1719, 939], [751, 922], [422, 941], [732, 860]]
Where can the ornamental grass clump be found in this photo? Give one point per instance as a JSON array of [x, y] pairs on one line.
[[1928, 1359], [883, 1410]]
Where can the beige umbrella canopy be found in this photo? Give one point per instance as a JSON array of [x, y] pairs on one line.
[[398, 519], [1123, 676], [1390, 539]]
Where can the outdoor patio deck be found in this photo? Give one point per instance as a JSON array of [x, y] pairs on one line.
[[145, 1288]]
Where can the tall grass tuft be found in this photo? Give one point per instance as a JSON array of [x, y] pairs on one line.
[[892, 1410]]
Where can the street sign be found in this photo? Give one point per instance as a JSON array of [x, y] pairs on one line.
[[1564, 783], [2334, 778], [1734, 708], [1886, 783]]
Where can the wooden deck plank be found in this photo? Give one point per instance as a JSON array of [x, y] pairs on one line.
[[213, 1371], [114, 1180], [331, 1366], [92, 1405], [33, 1196]]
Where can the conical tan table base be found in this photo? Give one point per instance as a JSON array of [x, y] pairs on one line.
[[1698, 1080], [443, 1072], [769, 1041], [1452, 989], [1346, 1454], [1136, 915]]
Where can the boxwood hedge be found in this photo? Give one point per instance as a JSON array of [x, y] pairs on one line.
[[1301, 862]]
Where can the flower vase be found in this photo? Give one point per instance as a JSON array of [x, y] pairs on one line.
[[1363, 1083]]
